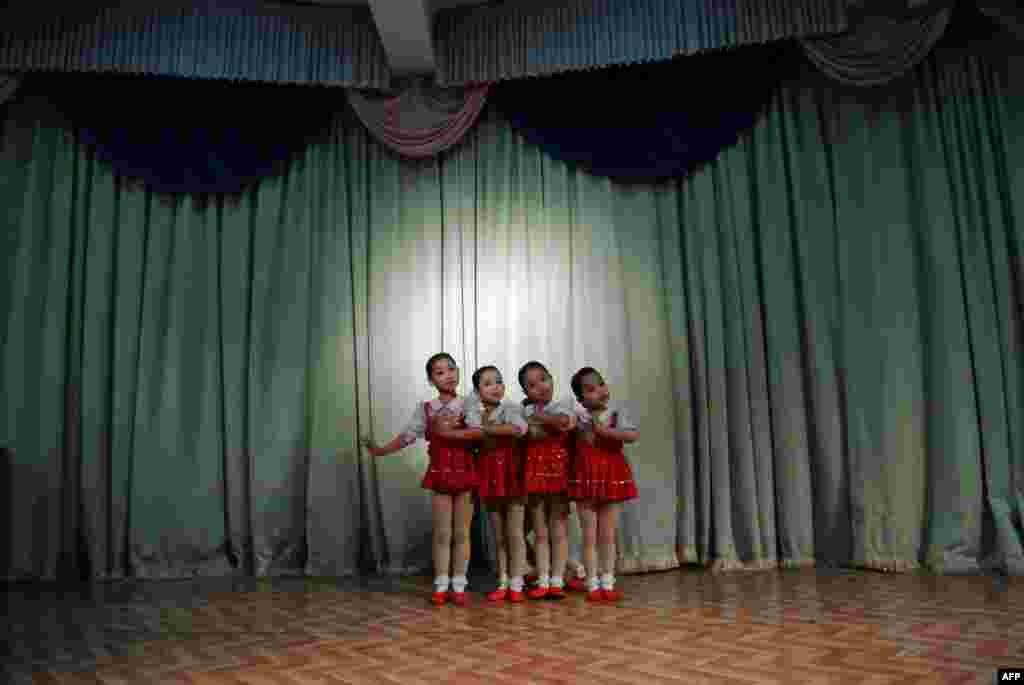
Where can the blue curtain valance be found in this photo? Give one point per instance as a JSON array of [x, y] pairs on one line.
[[652, 121], [247, 40], [186, 135], [492, 43]]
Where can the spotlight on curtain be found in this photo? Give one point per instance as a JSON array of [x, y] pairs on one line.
[[421, 120], [645, 122], [886, 39], [191, 136]]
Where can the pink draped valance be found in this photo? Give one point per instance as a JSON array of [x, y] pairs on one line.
[[421, 120]]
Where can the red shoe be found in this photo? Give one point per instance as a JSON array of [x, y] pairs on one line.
[[611, 595], [439, 598], [576, 585], [537, 593], [556, 593], [595, 596], [530, 580], [459, 598], [497, 595], [517, 597]]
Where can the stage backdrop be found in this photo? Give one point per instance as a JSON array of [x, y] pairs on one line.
[[820, 333]]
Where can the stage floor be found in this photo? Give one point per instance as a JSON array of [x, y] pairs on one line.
[[686, 626]]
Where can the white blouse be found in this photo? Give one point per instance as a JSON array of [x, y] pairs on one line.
[[617, 410], [553, 408], [506, 412], [417, 426]]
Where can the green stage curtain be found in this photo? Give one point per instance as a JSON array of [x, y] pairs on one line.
[[819, 333]]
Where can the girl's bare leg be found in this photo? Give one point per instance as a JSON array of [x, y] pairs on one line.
[[442, 540], [515, 538], [558, 526], [576, 567], [588, 525], [541, 542], [462, 517], [531, 551], [607, 522]]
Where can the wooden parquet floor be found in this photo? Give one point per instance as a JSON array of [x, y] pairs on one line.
[[689, 627]]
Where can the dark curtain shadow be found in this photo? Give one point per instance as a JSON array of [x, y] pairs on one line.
[[7, 513], [479, 560]]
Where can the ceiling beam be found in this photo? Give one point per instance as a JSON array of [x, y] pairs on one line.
[[405, 32]]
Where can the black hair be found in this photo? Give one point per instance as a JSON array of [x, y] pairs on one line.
[[438, 357], [577, 380], [480, 372], [522, 377]]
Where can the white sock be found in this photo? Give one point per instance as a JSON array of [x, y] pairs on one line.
[[459, 584], [441, 584], [503, 582], [544, 581], [517, 584], [607, 582], [593, 583], [556, 581]]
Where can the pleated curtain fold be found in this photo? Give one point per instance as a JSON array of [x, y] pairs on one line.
[[1009, 13], [885, 40], [9, 83]]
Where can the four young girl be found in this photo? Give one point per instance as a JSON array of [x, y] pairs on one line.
[[571, 452]]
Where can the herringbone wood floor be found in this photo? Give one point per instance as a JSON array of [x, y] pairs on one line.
[[686, 626]]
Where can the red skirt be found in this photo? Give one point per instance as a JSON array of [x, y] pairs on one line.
[[601, 475], [452, 469], [501, 470], [547, 465]]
